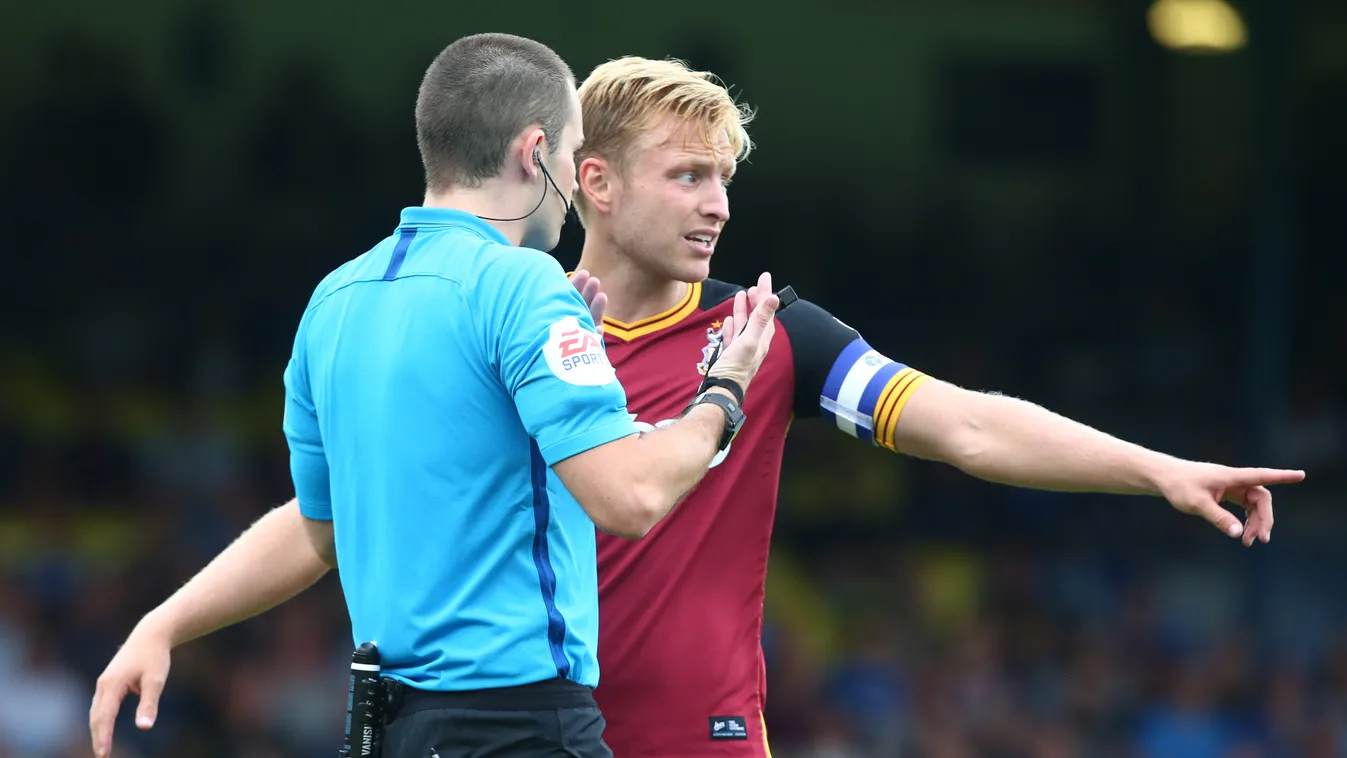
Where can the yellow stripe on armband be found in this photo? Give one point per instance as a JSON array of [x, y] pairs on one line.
[[891, 402]]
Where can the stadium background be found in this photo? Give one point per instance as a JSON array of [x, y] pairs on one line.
[[1030, 196]]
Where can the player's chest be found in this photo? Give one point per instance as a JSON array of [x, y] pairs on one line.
[[662, 371]]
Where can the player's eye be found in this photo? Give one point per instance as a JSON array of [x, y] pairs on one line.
[[688, 177]]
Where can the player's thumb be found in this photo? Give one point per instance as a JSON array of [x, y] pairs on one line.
[[151, 687], [1222, 519]]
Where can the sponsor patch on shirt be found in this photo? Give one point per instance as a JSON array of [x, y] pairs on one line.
[[575, 354], [729, 728]]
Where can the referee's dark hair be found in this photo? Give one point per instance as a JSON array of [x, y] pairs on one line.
[[478, 95]]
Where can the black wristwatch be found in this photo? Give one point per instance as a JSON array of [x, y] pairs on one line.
[[734, 415]]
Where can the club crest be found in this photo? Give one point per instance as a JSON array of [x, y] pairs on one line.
[[712, 342]]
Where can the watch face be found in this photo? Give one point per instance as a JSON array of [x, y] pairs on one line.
[[733, 411], [737, 415]]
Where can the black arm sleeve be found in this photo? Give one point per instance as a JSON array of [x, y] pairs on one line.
[[840, 377], [817, 339]]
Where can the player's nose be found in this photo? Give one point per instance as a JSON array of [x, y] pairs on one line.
[[716, 203]]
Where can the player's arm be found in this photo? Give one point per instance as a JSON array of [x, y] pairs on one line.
[[1010, 441], [554, 365], [279, 556], [1002, 439], [271, 562], [283, 553]]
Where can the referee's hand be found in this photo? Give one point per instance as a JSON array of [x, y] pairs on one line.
[[140, 666], [747, 336]]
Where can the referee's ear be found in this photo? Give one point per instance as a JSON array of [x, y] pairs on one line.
[[597, 182], [531, 148]]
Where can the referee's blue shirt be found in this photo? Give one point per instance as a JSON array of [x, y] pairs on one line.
[[434, 381]]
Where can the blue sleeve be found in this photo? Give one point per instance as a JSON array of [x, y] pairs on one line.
[[553, 362], [308, 461]]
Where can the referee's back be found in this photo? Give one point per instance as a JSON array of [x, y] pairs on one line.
[[433, 382]]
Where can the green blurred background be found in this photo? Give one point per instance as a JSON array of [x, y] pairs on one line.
[[1031, 196]]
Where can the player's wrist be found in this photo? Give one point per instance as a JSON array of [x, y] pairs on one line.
[[159, 625], [1161, 474]]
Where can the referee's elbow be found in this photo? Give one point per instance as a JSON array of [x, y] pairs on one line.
[[635, 515], [621, 493], [625, 533]]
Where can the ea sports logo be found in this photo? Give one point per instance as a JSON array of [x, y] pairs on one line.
[[577, 341], [576, 356]]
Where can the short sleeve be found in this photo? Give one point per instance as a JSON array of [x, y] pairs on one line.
[[308, 460], [840, 377], [553, 362]]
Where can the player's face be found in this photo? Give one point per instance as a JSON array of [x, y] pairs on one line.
[[561, 167], [670, 207]]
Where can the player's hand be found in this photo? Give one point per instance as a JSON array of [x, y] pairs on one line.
[[747, 333], [1198, 489], [594, 297], [140, 666]]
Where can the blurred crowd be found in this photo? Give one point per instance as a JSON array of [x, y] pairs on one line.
[[911, 611]]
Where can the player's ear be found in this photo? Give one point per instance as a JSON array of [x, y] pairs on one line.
[[597, 182]]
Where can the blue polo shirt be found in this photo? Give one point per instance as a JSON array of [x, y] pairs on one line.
[[434, 381]]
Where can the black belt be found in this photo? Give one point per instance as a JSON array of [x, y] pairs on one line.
[[546, 695]]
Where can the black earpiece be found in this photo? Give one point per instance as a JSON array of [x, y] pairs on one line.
[[538, 159]]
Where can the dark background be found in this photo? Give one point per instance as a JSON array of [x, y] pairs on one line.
[[1029, 196]]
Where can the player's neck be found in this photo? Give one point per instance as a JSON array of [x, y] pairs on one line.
[[490, 200], [633, 294]]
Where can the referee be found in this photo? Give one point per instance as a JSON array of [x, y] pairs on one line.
[[444, 387]]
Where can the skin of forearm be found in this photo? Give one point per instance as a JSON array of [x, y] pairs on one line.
[[271, 562]]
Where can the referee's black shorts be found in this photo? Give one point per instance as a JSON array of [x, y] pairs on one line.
[[556, 718]]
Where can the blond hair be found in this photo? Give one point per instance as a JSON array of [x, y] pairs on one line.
[[623, 99]]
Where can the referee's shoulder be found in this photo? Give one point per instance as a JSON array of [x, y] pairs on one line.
[[337, 278], [504, 265]]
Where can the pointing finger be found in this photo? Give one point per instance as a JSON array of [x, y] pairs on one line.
[[1266, 476]]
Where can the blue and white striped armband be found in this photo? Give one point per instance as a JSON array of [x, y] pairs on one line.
[[865, 393]]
